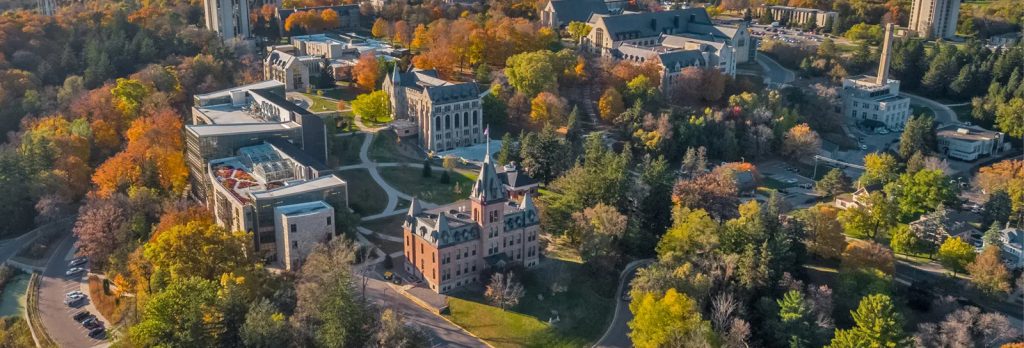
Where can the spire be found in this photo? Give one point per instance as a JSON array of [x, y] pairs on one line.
[[414, 208], [488, 186], [527, 203], [442, 222]]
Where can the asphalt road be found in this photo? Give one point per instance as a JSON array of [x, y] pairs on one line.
[[617, 335], [443, 332], [53, 313]]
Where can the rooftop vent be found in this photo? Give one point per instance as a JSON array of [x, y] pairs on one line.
[[963, 131]]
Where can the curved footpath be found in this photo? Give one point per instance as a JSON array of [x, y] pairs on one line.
[[617, 334]]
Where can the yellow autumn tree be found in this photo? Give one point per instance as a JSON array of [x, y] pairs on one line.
[[659, 321]]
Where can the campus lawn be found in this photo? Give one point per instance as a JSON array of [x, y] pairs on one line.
[[321, 104], [391, 225], [409, 179], [385, 148], [370, 197], [344, 150], [583, 312], [922, 110]]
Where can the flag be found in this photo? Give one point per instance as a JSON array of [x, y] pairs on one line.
[[487, 131]]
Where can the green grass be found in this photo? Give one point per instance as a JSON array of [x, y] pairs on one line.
[[410, 180], [386, 148], [922, 110], [963, 112], [775, 184], [391, 226], [344, 150], [365, 196], [321, 104], [584, 309], [342, 93]]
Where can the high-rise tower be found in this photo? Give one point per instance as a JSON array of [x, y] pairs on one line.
[[229, 18], [934, 19]]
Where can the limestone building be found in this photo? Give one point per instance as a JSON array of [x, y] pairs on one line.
[[876, 98], [451, 245], [295, 72], [300, 227], [675, 40], [447, 114], [934, 19]]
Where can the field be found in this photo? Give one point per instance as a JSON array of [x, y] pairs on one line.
[[386, 148], [371, 197], [583, 308], [411, 181], [345, 150]]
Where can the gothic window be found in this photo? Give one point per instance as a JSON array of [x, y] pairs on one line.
[[457, 121], [465, 118], [447, 122], [437, 122], [474, 117]]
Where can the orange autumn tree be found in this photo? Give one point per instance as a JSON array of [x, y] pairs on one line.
[[152, 156], [367, 72]]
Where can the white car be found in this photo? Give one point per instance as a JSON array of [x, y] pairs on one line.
[[863, 147], [74, 270], [790, 181], [77, 261], [74, 293]]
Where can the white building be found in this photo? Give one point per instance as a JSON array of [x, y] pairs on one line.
[[448, 114], [1012, 247], [934, 19], [299, 228], [968, 143], [876, 98], [229, 18], [299, 63]]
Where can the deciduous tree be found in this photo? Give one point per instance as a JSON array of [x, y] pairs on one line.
[[372, 107], [955, 254], [880, 168], [219, 251], [988, 272], [504, 290], [610, 105], [667, 320], [367, 72], [824, 232]]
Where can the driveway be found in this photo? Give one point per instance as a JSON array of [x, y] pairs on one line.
[[53, 313], [617, 334], [442, 332]]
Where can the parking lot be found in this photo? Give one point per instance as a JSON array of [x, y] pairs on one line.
[[54, 314]]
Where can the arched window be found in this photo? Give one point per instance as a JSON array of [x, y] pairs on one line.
[[457, 121], [474, 118], [447, 122], [465, 118], [437, 122]]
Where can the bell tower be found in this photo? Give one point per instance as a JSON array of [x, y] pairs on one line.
[[487, 200]]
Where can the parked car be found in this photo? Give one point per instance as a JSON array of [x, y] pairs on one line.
[[78, 261], [388, 275], [75, 270], [790, 181], [81, 316], [72, 302], [92, 323], [397, 280], [98, 333], [74, 293]]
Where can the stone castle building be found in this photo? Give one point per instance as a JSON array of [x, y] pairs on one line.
[[451, 245], [446, 114]]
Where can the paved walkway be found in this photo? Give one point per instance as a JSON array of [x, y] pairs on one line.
[[943, 114], [774, 73], [617, 334]]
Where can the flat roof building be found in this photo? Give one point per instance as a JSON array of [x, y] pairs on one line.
[[876, 98], [968, 143], [934, 19]]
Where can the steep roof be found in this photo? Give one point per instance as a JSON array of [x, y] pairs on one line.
[[488, 187], [437, 89], [578, 10], [647, 24]]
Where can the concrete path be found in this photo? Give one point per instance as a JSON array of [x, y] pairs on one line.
[[617, 334]]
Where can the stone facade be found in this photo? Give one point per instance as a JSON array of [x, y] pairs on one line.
[[674, 40], [299, 228], [229, 18], [448, 115], [450, 246], [797, 16]]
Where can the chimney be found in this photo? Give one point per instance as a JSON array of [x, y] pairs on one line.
[[883, 63]]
